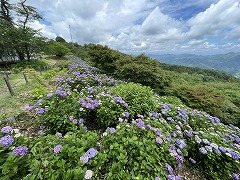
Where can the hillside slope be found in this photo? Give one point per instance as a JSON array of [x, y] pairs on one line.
[[229, 62]]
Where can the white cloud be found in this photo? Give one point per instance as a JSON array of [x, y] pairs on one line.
[[142, 25], [215, 20]]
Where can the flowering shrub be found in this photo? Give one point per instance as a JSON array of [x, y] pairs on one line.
[[132, 151], [146, 136], [141, 99]]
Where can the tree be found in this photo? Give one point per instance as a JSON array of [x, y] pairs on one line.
[[56, 48], [103, 57], [60, 39], [18, 38], [143, 70]]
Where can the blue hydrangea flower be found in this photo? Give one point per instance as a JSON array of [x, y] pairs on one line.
[[6, 141], [20, 151], [6, 129]]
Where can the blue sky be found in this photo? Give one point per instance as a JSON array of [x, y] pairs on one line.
[[150, 26]]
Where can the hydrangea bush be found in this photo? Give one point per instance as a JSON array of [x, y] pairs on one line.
[[93, 126]]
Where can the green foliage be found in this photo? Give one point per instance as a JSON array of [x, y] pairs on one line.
[[132, 153], [39, 92], [209, 75], [42, 162], [56, 118], [109, 111], [103, 57], [217, 98], [49, 74], [36, 64], [140, 99], [12, 166], [17, 38], [60, 39], [143, 70], [65, 165], [56, 48]]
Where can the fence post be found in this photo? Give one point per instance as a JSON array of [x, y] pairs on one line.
[[9, 86], [39, 68], [25, 77]]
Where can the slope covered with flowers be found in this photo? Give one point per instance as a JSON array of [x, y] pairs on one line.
[[95, 127]]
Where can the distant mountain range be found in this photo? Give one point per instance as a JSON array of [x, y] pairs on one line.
[[229, 62]]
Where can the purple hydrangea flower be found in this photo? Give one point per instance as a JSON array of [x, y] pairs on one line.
[[28, 107], [208, 148], [6, 141], [59, 135], [214, 145], [197, 139], [235, 176], [157, 178], [172, 177], [57, 149], [40, 132], [91, 153], [40, 111], [42, 127], [140, 123], [170, 119], [159, 140], [222, 149], [206, 141], [179, 158], [112, 130], [235, 156], [49, 95], [81, 121], [20, 151], [84, 158], [126, 114], [180, 143], [6, 129], [203, 150], [169, 168], [158, 132], [192, 160], [178, 127]]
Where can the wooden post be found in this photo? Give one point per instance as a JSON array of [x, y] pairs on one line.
[[9, 86], [25, 77], [6, 74], [39, 68]]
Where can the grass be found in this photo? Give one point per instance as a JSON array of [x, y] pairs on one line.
[[13, 106]]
